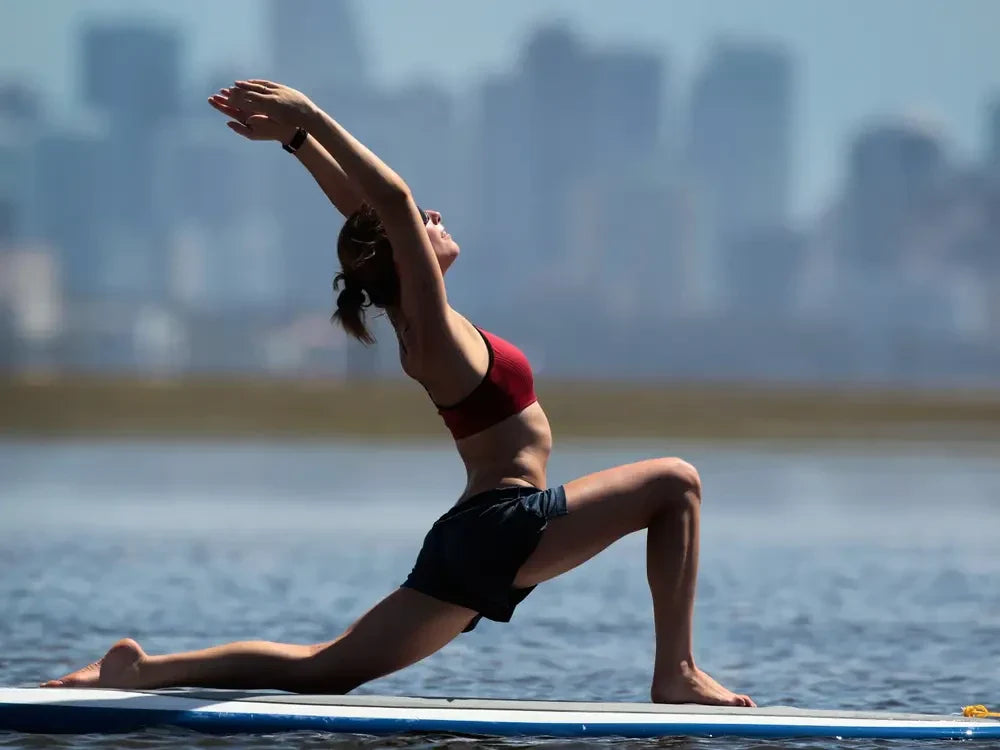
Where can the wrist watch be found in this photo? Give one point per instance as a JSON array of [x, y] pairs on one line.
[[297, 140]]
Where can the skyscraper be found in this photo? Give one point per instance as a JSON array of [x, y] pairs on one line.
[[586, 114], [15, 187], [626, 109], [557, 129], [503, 184], [132, 72], [131, 75], [892, 170], [19, 103], [764, 271], [739, 137], [993, 134], [315, 45], [19, 121], [316, 48], [67, 184]]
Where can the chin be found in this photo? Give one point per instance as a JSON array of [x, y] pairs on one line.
[[447, 262]]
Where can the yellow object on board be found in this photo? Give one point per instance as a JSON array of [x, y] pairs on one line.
[[980, 712]]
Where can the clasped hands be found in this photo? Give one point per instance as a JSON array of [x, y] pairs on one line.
[[263, 110]]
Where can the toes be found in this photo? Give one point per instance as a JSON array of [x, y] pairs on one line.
[[52, 683]]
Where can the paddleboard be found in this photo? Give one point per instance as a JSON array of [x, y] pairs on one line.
[[61, 710]]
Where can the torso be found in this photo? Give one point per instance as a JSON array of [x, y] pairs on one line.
[[514, 451]]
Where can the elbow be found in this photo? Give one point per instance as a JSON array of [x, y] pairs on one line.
[[391, 195]]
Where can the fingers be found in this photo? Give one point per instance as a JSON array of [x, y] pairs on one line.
[[247, 100], [256, 128], [228, 110], [223, 101], [240, 128], [260, 88], [222, 94], [264, 82]]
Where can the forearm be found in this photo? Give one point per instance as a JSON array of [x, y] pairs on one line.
[[330, 176], [377, 182]]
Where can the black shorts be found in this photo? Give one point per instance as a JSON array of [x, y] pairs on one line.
[[473, 552]]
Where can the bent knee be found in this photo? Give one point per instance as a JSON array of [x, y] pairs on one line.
[[678, 478]]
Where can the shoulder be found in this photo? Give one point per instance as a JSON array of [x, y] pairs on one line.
[[445, 355], [427, 341]]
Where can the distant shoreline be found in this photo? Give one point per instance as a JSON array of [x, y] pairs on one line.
[[246, 407]]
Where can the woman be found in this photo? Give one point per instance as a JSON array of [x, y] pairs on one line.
[[505, 535]]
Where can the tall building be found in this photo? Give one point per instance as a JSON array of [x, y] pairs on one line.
[[315, 45], [19, 103], [20, 114], [316, 48], [132, 72], [740, 137], [223, 251], [16, 177], [993, 134], [626, 117], [569, 129], [503, 231], [630, 243], [131, 76], [892, 171], [68, 169], [586, 114], [557, 130], [765, 270]]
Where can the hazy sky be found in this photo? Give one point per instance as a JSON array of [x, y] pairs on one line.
[[857, 58]]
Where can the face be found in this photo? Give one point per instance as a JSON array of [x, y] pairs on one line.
[[445, 248]]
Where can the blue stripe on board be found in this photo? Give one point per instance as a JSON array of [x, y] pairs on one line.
[[54, 719]]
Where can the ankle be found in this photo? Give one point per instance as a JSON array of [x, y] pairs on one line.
[[676, 666]]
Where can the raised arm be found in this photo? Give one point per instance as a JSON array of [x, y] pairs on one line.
[[423, 297], [329, 175]]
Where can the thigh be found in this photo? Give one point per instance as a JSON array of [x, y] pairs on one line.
[[400, 630], [601, 508]]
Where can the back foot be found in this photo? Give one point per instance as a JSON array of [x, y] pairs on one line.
[[119, 668]]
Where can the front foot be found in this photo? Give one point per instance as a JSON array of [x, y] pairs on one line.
[[119, 668], [688, 684]]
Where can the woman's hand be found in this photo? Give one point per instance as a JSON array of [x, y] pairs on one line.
[[249, 125], [278, 102]]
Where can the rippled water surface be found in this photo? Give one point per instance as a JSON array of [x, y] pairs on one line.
[[830, 578]]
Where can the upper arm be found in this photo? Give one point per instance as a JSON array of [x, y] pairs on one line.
[[330, 176], [423, 299]]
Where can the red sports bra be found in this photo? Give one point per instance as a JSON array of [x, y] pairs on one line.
[[507, 389]]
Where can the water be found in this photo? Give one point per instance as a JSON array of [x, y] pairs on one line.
[[830, 578]]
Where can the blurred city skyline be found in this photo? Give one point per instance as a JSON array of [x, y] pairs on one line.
[[930, 58], [589, 181]]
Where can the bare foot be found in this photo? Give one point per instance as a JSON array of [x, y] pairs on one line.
[[118, 669], [691, 685]]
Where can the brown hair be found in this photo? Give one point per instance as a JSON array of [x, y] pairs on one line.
[[369, 273]]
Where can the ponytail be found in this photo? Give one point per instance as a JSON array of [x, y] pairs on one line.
[[368, 277], [350, 312]]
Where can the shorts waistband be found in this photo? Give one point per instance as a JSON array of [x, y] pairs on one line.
[[497, 494]]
